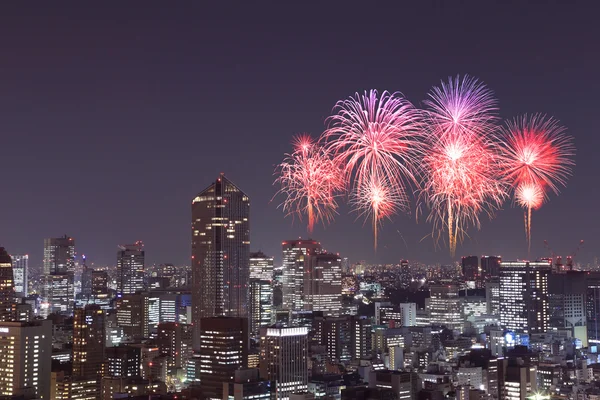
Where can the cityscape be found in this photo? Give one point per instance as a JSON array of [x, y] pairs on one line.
[[437, 248]]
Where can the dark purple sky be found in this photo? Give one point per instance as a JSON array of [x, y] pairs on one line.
[[113, 117]]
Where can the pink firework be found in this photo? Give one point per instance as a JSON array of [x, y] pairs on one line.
[[378, 139], [537, 156], [461, 170], [310, 181]]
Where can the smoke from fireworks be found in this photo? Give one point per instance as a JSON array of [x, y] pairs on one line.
[[377, 140], [310, 181], [461, 171], [537, 157]]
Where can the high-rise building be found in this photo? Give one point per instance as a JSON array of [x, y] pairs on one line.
[[261, 266], [490, 266], [6, 286], [444, 306], [293, 270], [261, 305], [567, 303], [123, 361], [133, 315], [89, 336], [26, 353], [334, 334], [223, 350], [284, 359], [408, 312], [175, 340], [404, 384], [130, 268], [470, 268], [86, 281], [492, 296], [59, 255], [20, 264], [99, 283], [360, 339], [322, 287], [59, 268], [524, 306], [220, 252]]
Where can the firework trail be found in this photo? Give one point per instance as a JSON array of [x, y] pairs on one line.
[[310, 180], [378, 141], [537, 156], [461, 168]]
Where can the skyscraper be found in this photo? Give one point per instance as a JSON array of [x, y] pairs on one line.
[[524, 296], [444, 306], [284, 359], [490, 266], [130, 268], [6, 286], [261, 305], [293, 270], [223, 350], [59, 255], [261, 266], [20, 272], [220, 252], [470, 268], [88, 342], [322, 286]]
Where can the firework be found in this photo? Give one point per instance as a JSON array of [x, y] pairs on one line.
[[536, 157], [310, 180], [461, 170], [377, 139]]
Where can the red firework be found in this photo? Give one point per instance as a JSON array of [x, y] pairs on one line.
[[461, 171], [310, 181], [537, 156], [378, 141]]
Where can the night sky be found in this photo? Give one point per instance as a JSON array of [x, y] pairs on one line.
[[115, 114]]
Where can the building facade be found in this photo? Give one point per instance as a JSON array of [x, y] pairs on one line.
[[130, 268]]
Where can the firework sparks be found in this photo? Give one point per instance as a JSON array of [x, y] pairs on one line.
[[378, 141], [310, 180], [461, 170], [537, 156]]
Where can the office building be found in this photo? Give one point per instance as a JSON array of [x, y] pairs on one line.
[[89, 337], [470, 268], [293, 270], [490, 266], [130, 268], [6, 286], [360, 339], [322, 286], [284, 359], [220, 252], [132, 312], [223, 350], [59, 255], [247, 385], [123, 361], [261, 266], [444, 306], [567, 303], [59, 293], [86, 282], [26, 350], [261, 305], [334, 335], [20, 264], [492, 296], [524, 306], [99, 283], [405, 385], [408, 313], [175, 341], [66, 387]]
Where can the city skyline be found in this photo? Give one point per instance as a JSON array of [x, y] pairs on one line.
[[173, 115]]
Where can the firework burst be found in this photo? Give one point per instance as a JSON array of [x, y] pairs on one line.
[[378, 141], [537, 156], [461, 170], [310, 180]]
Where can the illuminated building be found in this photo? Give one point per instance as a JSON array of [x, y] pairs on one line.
[[118, 387], [21, 274], [404, 384], [444, 306], [261, 266], [334, 334], [25, 351], [360, 337], [123, 361], [59, 293], [99, 283], [567, 303], [66, 387], [322, 287], [247, 386], [89, 337], [133, 315], [284, 359], [6, 286], [59, 255], [223, 350], [293, 270], [130, 268], [261, 305], [408, 313], [492, 296], [220, 252], [524, 306], [175, 340]]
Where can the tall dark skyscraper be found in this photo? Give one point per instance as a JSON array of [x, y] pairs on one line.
[[220, 251], [470, 267], [490, 266], [6, 286], [130, 268], [59, 255], [59, 268]]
